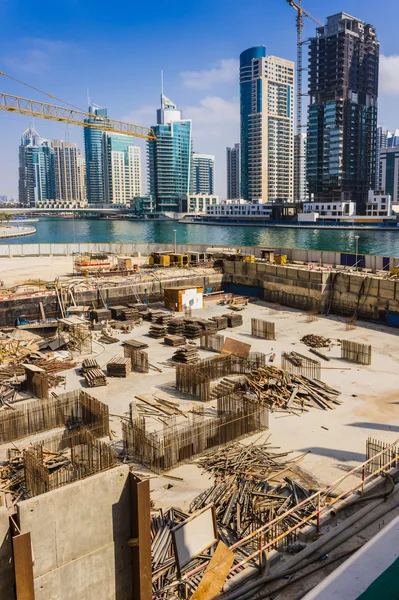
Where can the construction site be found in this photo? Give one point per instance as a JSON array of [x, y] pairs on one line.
[[204, 423]]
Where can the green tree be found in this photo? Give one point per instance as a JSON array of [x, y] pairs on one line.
[[8, 218], [2, 218]]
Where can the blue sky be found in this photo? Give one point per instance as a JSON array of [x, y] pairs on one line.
[[116, 51]]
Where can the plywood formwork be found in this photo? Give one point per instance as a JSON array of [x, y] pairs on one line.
[[356, 352], [139, 359], [213, 342], [263, 329]]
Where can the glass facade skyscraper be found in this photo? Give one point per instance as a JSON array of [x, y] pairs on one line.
[[93, 139], [246, 59], [202, 174], [169, 157], [267, 126], [36, 174], [342, 115], [233, 172]]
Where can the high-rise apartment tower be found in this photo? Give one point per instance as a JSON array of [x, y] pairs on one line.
[[169, 157], [342, 115], [202, 173], [36, 181], [93, 139], [233, 171], [66, 171], [122, 169], [267, 126]]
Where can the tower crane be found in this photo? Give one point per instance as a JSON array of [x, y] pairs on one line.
[[301, 12], [73, 115]]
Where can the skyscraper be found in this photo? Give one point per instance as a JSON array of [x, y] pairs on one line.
[[93, 139], [36, 181], [342, 116], [122, 169], [169, 157], [300, 182], [82, 178], [66, 171], [267, 126], [233, 171], [202, 174]]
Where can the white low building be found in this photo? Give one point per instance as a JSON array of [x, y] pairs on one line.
[[240, 208], [197, 203], [378, 204], [331, 209]]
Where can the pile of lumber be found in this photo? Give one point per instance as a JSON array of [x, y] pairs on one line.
[[141, 308], [157, 406], [107, 339], [89, 363], [233, 320], [157, 331], [119, 366], [176, 327], [100, 314], [281, 390], [130, 314], [316, 341], [253, 486], [95, 377], [135, 344], [186, 354], [222, 322], [12, 476], [192, 329], [116, 311], [160, 317], [174, 340]]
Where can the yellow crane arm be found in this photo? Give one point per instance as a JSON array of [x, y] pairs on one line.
[[299, 8], [33, 108]]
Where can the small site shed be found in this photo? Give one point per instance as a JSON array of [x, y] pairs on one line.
[[180, 298]]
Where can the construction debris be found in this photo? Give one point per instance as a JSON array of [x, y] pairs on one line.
[[281, 390], [119, 366], [316, 341], [7, 394], [253, 485], [107, 339]]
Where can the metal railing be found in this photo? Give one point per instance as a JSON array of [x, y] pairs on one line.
[[262, 538]]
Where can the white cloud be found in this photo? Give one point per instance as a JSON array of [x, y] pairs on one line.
[[225, 72], [213, 115], [389, 74]]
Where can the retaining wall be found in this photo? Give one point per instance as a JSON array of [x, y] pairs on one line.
[[345, 293]]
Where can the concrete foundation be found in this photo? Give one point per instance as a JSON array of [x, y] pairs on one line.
[[79, 538]]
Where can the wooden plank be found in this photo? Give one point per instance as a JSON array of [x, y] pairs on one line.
[[23, 566], [236, 348], [215, 574], [319, 354], [155, 404], [292, 397]]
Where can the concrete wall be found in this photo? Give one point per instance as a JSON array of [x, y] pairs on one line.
[[7, 579], [79, 538], [291, 286], [294, 254], [11, 309], [344, 293]]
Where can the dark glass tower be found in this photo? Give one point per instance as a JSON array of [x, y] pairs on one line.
[[342, 117], [246, 77], [93, 139]]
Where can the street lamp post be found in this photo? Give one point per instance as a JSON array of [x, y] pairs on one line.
[[357, 250], [174, 233]]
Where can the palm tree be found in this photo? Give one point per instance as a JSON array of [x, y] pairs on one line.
[[2, 217], [8, 218]]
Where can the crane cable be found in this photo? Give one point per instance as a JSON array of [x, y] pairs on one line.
[[47, 94]]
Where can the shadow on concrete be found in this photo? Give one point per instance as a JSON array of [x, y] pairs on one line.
[[343, 455], [121, 529], [379, 426]]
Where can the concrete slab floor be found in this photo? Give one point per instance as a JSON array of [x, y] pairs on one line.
[[370, 395]]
